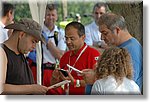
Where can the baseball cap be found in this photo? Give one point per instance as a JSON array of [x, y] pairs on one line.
[[28, 26]]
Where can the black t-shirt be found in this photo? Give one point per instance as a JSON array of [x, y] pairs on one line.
[[18, 71]]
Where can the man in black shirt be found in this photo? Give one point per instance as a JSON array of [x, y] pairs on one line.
[[16, 76]]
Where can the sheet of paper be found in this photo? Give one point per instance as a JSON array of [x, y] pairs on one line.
[[59, 84], [74, 69]]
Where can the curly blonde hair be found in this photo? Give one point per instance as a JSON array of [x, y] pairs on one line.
[[116, 62]]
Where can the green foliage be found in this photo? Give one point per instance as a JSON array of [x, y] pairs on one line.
[[81, 8], [22, 10]]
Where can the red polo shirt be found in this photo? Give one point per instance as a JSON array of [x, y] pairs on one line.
[[86, 60]]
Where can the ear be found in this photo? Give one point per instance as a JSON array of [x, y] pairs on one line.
[[21, 34], [117, 30], [9, 14], [83, 37]]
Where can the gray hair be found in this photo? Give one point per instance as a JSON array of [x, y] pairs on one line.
[[112, 20]]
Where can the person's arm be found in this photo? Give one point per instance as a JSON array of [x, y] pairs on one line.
[[24, 89], [55, 51], [89, 76], [16, 89], [73, 81], [3, 68]]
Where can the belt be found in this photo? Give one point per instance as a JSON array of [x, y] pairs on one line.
[[46, 65], [49, 66], [33, 64]]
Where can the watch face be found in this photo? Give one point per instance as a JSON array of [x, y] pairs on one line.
[[99, 43], [78, 83]]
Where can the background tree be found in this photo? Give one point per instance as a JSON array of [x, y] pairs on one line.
[[133, 14], [132, 11]]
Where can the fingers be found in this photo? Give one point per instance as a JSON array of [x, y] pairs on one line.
[[70, 76], [55, 77], [39, 89], [62, 76], [86, 70]]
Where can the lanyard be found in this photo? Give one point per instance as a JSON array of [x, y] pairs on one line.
[[77, 57], [67, 90]]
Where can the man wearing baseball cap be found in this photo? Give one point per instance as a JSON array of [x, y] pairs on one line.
[[16, 76]]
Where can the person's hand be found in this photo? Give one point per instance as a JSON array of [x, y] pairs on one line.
[[103, 45], [88, 76], [38, 89], [69, 77], [45, 36], [55, 77]]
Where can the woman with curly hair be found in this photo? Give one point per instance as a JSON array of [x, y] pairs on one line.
[[114, 73]]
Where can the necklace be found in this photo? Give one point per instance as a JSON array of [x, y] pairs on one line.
[[77, 57]]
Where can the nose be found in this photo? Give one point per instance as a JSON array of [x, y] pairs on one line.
[[102, 37], [68, 41], [51, 17], [99, 15]]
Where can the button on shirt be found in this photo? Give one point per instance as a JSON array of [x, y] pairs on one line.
[[92, 34], [47, 56], [3, 33]]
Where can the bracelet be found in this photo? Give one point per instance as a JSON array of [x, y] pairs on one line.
[[75, 82]]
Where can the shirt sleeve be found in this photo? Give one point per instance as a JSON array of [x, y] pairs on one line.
[[88, 38], [61, 42], [97, 88]]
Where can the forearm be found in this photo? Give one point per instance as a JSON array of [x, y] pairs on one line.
[[24, 89], [82, 83], [56, 52], [16, 89]]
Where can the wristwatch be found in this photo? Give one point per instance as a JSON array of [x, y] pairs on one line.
[[99, 44], [77, 83]]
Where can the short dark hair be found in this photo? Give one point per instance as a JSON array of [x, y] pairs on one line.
[[101, 4], [51, 7], [78, 26], [6, 7]]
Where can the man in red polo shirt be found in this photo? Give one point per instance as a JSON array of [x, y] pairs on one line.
[[80, 56]]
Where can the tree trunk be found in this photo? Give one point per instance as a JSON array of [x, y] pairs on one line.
[[64, 8], [133, 14]]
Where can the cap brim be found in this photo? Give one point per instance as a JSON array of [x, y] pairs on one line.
[[21, 27]]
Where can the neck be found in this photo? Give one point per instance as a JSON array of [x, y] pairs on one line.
[[4, 20], [75, 51], [12, 44], [126, 37], [50, 27]]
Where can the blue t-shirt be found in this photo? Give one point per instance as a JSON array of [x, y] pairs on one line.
[[136, 52], [88, 89]]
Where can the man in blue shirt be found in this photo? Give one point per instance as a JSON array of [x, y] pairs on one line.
[[114, 32]]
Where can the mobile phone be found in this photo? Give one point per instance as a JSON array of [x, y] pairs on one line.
[[63, 72]]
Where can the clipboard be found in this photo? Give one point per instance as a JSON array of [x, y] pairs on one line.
[[59, 84]]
